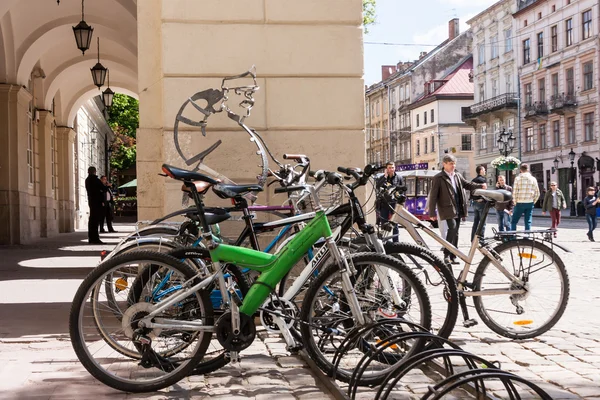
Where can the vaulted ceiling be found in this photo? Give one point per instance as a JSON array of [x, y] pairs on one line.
[[37, 35]]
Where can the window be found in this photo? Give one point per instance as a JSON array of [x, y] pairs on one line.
[[570, 82], [571, 129], [418, 147], [542, 90], [539, 15], [529, 139], [569, 32], [508, 40], [494, 41], [432, 116], [425, 119], [543, 142], [30, 168], [481, 92], [528, 94], [394, 98], [508, 83], [425, 147], [554, 38], [494, 87], [556, 133], [417, 120], [525, 23], [553, 7], [377, 108], [526, 54], [588, 126], [588, 75], [555, 85], [481, 53], [586, 26], [466, 142], [496, 132], [432, 143], [540, 45], [483, 137]]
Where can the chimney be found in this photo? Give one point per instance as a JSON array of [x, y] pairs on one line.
[[453, 28], [386, 71], [422, 54]]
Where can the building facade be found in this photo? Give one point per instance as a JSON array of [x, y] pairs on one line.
[[494, 76], [377, 131], [558, 48]]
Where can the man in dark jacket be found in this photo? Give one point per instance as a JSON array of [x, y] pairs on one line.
[[95, 193], [385, 207], [478, 203], [448, 196]]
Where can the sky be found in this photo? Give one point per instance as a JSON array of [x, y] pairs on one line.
[[421, 22]]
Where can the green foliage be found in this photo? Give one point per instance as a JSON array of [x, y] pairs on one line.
[[369, 16], [123, 118]]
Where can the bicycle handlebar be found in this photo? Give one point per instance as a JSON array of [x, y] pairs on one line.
[[287, 189], [295, 157]]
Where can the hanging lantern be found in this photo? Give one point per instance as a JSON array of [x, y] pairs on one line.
[[98, 71], [83, 33], [108, 94]]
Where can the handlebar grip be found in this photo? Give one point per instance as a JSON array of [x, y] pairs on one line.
[[343, 170], [288, 189], [333, 178], [297, 157], [312, 173]]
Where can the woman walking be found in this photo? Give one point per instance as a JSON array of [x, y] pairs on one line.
[[590, 211], [554, 201]]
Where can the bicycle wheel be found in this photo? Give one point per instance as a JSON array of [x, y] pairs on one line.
[[438, 280], [326, 314], [546, 283], [167, 356]]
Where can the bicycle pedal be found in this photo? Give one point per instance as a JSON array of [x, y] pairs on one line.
[[295, 349], [468, 323]]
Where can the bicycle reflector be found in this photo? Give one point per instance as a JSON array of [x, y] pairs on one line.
[[527, 255], [121, 284], [103, 255], [523, 322]]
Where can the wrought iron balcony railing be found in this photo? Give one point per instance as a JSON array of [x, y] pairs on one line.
[[539, 108], [562, 101], [506, 100]]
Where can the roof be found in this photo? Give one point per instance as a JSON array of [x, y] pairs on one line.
[[457, 82]]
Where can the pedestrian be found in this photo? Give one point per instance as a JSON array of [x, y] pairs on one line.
[[503, 209], [95, 192], [385, 208], [525, 193], [478, 203], [448, 197], [554, 201], [590, 202], [107, 214]]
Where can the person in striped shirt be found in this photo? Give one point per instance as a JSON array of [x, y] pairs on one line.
[[525, 194]]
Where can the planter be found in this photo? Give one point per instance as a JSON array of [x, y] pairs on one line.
[[507, 166]]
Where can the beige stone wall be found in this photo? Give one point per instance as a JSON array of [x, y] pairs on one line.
[[308, 57]]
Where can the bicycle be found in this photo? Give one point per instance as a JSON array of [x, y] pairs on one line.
[[502, 288]]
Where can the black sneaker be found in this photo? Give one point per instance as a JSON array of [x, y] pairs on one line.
[[95, 242]]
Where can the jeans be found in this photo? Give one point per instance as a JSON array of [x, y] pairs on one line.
[[503, 220], [386, 211], [520, 209], [478, 210], [591, 220], [452, 235]]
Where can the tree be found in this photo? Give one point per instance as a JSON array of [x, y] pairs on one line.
[[123, 118], [369, 16]]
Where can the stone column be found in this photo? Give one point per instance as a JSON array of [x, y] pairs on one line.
[[48, 206], [308, 56], [14, 185], [65, 139]]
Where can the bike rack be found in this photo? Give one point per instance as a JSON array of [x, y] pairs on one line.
[[461, 369]]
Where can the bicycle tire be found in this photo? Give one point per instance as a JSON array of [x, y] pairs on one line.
[[78, 333], [506, 252], [360, 261], [444, 305]]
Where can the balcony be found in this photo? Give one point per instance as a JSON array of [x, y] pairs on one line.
[[563, 104], [498, 103], [536, 111], [524, 3]]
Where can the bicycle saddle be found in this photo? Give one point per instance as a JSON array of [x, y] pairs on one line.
[[231, 191], [185, 175], [501, 196]]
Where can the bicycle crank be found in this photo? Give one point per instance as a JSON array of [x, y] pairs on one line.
[[235, 341]]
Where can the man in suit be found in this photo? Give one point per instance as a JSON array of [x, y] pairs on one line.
[[107, 209], [385, 207], [448, 196], [95, 193]]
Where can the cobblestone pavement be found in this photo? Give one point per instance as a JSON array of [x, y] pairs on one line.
[[37, 285]]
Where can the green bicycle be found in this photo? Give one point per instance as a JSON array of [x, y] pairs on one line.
[[171, 336]]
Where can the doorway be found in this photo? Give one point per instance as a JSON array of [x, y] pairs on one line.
[[563, 184], [587, 180]]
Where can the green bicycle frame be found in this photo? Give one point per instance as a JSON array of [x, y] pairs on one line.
[[273, 267]]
